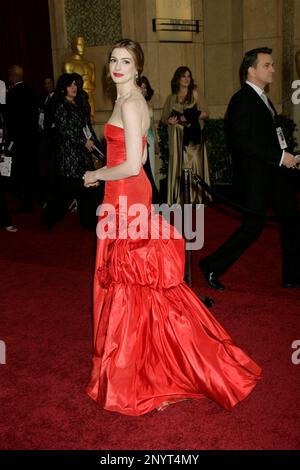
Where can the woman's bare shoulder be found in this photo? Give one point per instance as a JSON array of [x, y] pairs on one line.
[[135, 103], [135, 107]]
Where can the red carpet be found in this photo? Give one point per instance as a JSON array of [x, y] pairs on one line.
[[45, 309]]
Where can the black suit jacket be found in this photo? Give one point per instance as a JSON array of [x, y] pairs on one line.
[[49, 108], [21, 114], [253, 144]]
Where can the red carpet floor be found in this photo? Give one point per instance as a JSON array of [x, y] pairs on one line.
[[45, 308]]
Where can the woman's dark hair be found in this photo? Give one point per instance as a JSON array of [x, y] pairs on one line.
[[78, 80], [175, 82], [82, 98], [150, 90], [135, 50], [250, 60], [63, 82]]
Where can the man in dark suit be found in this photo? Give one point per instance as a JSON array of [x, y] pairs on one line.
[[22, 127], [262, 169]]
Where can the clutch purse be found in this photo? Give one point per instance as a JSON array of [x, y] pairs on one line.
[[177, 114]]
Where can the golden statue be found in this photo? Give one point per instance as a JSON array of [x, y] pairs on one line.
[[297, 60], [76, 63]]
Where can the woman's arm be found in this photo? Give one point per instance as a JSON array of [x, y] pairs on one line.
[[201, 104], [156, 142], [154, 132], [132, 122], [167, 111]]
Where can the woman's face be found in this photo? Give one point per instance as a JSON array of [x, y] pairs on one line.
[[185, 79], [72, 90], [144, 89], [122, 67]]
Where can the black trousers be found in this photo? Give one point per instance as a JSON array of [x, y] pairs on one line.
[[282, 193], [23, 172], [47, 167], [5, 219], [66, 190], [155, 193]]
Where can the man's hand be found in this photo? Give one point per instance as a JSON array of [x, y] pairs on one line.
[[297, 162], [289, 161]]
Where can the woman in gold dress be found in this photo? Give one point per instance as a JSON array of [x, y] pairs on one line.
[[183, 110]]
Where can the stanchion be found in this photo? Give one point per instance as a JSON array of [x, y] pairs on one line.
[[187, 181], [187, 178]]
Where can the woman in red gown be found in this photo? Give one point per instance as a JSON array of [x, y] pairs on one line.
[[155, 343]]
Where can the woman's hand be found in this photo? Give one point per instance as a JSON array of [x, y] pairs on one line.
[[203, 115], [89, 145], [90, 179]]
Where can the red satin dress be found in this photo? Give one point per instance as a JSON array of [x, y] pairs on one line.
[[155, 343]]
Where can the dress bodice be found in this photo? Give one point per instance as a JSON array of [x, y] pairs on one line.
[[135, 188], [116, 150]]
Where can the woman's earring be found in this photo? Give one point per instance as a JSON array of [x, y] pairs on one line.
[[137, 76]]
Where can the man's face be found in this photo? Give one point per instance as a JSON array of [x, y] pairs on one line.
[[49, 87], [15, 74], [262, 74]]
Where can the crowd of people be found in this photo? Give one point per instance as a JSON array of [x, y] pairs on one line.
[[50, 151], [51, 143]]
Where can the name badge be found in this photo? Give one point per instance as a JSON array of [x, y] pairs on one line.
[[41, 120], [5, 165], [281, 139]]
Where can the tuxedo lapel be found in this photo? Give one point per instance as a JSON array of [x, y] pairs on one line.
[[259, 101], [273, 107]]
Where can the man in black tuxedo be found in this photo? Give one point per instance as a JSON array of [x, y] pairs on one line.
[[22, 129], [262, 169]]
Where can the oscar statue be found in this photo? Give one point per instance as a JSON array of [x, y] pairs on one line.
[[76, 63]]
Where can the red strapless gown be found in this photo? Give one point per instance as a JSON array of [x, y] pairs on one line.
[[155, 343]]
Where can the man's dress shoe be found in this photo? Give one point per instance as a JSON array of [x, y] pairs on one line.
[[211, 278], [208, 302], [292, 285]]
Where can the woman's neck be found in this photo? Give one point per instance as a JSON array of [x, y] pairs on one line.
[[70, 99], [183, 91], [125, 89], [182, 94]]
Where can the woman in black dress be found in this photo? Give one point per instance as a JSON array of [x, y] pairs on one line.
[[75, 139]]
